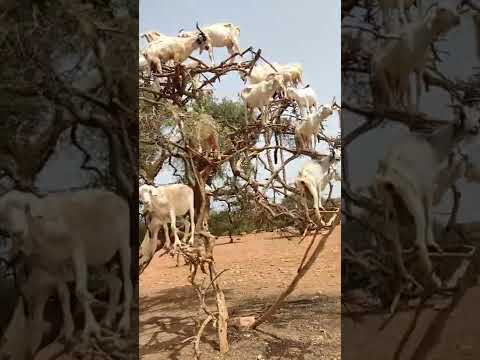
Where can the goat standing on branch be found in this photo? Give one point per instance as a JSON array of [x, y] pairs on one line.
[[82, 228], [406, 180], [291, 74], [306, 132], [393, 65], [218, 35], [174, 48], [313, 177], [306, 99], [163, 204], [259, 96]]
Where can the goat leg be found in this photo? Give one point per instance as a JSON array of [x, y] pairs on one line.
[[125, 260], [210, 55], [114, 292], [185, 230], [231, 52], [80, 268], [391, 223], [167, 244], [37, 323], [319, 192], [304, 203], [68, 325]]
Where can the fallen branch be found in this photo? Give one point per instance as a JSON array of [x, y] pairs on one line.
[[301, 272]]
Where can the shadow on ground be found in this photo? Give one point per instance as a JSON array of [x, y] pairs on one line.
[[303, 328]]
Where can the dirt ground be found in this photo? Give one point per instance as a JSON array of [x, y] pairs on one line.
[[260, 267], [459, 340]]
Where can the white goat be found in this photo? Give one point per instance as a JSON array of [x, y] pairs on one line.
[[259, 96], [219, 35], [84, 228], [388, 7], [409, 173], [259, 73], [306, 131], [393, 65], [314, 177], [291, 74], [176, 49], [305, 98], [164, 204]]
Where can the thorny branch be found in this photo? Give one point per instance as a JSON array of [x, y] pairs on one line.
[[165, 96]]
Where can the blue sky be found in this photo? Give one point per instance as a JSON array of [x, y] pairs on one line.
[[285, 33], [308, 33]]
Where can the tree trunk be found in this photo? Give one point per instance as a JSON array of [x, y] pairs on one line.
[[222, 325]]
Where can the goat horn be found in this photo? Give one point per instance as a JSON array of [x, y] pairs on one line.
[[202, 33], [179, 31]]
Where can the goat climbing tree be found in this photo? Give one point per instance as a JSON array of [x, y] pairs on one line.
[[370, 262], [72, 94], [172, 100]]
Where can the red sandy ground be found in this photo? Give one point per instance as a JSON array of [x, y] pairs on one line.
[[260, 266], [458, 341]]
